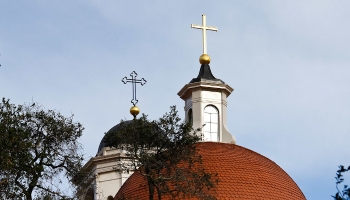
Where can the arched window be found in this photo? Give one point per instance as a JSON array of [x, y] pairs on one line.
[[211, 121], [190, 116]]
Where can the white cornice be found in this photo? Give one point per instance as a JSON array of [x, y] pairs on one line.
[[102, 159], [184, 93]]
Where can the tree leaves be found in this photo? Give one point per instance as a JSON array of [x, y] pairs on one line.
[[36, 147], [345, 193], [164, 152]]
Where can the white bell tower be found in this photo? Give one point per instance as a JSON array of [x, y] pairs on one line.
[[205, 104], [205, 98]]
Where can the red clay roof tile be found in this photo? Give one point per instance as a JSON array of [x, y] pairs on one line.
[[242, 173]]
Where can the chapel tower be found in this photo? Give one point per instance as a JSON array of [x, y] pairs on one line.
[[205, 98], [205, 104]]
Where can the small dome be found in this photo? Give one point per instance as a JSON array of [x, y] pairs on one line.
[[104, 143], [243, 174], [205, 74]]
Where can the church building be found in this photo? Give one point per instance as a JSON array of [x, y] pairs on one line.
[[243, 174]]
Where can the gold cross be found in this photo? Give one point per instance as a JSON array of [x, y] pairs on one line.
[[204, 28]]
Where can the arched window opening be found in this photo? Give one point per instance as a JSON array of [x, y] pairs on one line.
[[211, 121], [190, 116]]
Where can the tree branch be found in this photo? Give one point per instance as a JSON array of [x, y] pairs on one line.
[[19, 184], [51, 192]]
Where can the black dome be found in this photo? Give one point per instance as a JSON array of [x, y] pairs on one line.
[[205, 74], [104, 142]]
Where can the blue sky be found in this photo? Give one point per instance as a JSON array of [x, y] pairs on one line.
[[288, 62]]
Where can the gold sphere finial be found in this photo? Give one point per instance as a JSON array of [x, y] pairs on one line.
[[204, 59], [134, 111]]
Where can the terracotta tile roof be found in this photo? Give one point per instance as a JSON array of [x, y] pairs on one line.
[[242, 173]]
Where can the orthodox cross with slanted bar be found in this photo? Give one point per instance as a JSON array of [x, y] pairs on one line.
[[204, 28], [133, 81]]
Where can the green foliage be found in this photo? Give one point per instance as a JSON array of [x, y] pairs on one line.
[[345, 193], [164, 152], [37, 147]]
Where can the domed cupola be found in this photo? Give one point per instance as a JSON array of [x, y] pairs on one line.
[[105, 142], [238, 169]]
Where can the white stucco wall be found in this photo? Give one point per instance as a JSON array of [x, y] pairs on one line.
[[200, 97]]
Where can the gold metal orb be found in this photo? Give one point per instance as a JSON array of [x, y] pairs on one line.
[[204, 59], [134, 111]]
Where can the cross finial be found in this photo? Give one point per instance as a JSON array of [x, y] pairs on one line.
[[204, 28], [133, 80], [134, 110]]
